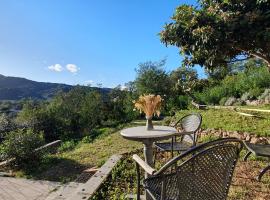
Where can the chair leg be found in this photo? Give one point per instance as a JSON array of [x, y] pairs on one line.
[[138, 181], [247, 155], [263, 172]]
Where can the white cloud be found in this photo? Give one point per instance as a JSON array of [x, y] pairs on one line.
[[72, 68], [89, 82], [56, 68], [123, 87]]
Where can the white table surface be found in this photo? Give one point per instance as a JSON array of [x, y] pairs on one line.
[[140, 133]]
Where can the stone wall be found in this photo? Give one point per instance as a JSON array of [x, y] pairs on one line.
[[249, 137]]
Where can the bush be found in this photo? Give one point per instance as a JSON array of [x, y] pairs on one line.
[[67, 146], [21, 145], [248, 84], [230, 101], [245, 96], [223, 101], [255, 93], [265, 96], [87, 139]]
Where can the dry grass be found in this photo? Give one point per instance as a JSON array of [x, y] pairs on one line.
[[245, 186]]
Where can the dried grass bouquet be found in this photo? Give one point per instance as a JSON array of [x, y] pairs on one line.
[[149, 104]]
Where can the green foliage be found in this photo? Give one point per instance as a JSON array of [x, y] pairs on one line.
[[87, 139], [251, 82], [113, 188], [214, 33], [5, 123], [78, 112], [174, 87], [21, 145], [152, 78], [184, 79], [67, 146]]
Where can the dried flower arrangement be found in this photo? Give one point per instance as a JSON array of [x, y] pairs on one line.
[[149, 104]]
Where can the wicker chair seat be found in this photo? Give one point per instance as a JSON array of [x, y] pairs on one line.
[[177, 146], [202, 173], [193, 179]]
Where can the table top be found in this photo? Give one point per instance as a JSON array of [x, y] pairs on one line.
[[140, 133]]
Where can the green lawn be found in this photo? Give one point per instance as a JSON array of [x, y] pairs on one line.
[[231, 121]]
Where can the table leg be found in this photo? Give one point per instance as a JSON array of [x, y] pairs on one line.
[[148, 152], [148, 155]]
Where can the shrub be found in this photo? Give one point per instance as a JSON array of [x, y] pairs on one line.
[[223, 101], [245, 96], [265, 96], [21, 145], [255, 93], [230, 101], [67, 146], [87, 139], [248, 84]]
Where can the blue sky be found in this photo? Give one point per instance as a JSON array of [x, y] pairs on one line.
[[83, 41]]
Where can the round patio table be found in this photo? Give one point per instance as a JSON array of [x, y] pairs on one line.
[[148, 137]]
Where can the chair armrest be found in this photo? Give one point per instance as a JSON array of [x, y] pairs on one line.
[[143, 164]]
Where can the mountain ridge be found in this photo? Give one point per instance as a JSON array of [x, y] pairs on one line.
[[16, 88]]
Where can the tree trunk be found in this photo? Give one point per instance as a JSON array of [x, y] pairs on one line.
[[264, 57]]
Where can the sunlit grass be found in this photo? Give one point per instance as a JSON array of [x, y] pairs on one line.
[[231, 121]]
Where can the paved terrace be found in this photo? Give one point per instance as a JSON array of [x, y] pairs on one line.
[[23, 189]]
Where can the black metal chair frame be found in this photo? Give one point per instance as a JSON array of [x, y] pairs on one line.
[[193, 136], [253, 149], [234, 144]]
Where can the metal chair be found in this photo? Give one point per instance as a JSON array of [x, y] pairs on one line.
[[188, 127], [205, 173], [262, 150]]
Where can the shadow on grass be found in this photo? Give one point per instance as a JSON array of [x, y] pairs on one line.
[[53, 168]]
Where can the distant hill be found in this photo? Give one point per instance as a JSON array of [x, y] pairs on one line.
[[14, 88]]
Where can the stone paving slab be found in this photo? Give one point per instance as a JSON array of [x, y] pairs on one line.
[[25, 189]]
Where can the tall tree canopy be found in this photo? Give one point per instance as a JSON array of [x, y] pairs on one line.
[[152, 78], [218, 32]]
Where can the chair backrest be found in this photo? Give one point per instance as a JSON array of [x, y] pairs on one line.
[[190, 123], [206, 174]]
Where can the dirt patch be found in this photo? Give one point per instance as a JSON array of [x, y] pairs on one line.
[[245, 186]]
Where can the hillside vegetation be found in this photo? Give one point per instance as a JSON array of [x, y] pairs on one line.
[[82, 112], [15, 88]]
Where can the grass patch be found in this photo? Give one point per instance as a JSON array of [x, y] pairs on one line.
[[229, 120], [74, 157]]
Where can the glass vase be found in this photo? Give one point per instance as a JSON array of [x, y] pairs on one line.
[[149, 123]]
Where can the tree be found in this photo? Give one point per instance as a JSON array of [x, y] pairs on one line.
[[152, 78], [184, 79], [218, 32]]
